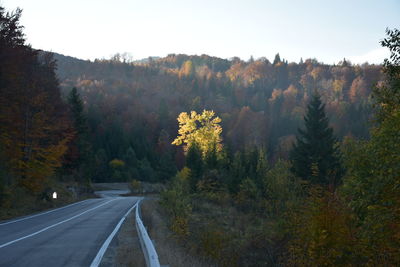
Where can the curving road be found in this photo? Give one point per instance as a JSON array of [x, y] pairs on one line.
[[68, 236]]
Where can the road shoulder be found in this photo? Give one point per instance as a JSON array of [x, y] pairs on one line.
[[125, 248]]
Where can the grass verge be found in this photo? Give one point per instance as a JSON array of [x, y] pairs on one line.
[[170, 251], [18, 202]]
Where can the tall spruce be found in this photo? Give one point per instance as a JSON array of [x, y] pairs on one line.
[[82, 156], [194, 162], [315, 156], [76, 105]]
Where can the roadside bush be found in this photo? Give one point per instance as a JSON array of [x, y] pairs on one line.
[[323, 231], [214, 244], [135, 186], [176, 202], [248, 196], [282, 190]]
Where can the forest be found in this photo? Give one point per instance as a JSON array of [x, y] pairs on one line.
[[265, 163], [132, 107]]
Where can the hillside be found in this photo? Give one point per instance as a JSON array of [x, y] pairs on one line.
[[132, 107]]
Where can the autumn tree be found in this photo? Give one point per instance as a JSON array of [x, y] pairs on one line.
[[358, 90], [315, 156], [187, 69], [202, 129], [34, 130]]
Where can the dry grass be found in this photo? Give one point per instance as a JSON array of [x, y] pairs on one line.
[[170, 251], [125, 249]]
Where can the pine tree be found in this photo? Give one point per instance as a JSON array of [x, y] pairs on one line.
[[237, 172], [262, 167], [315, 156], [76, 105], [166, 167], [194, 162], [211, 159], [83, 154], [277, 59], [130, 158], [131, 162]]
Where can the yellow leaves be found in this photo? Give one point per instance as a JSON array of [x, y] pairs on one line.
[[202, 129], [42, 164], [338, 88], [291, 91], [235, 71], [187, 69], [116, 163]]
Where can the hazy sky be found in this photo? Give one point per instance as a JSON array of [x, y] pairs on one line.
[[328, 30]]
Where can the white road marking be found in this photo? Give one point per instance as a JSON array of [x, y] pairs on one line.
[[43, 213], [96, 261], [54, 225]]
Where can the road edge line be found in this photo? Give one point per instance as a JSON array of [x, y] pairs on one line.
[[97, 260]]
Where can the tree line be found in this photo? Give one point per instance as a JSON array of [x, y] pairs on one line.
[[134, 105]]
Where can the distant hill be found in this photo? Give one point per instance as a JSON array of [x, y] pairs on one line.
[[145, 60], [260, 103]]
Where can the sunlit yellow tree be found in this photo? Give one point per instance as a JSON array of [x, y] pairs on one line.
[[201, 129]]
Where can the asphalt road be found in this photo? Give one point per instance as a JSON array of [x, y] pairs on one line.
[[69, 236]]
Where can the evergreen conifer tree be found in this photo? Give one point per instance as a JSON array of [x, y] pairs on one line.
[[315, 156], [76, 105], [166, 167], [83, 157], [211, 159], [194, 162]]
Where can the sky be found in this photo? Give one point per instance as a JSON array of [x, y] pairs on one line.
[[328, 30]]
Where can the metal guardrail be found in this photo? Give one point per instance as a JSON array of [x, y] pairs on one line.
[[150, 253]]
